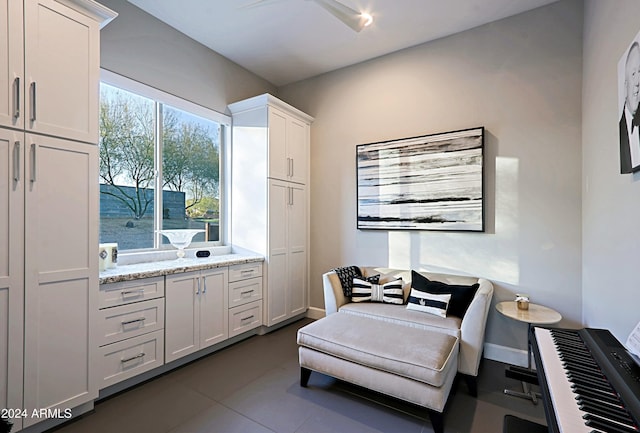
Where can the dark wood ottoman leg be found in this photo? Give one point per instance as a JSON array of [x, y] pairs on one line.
[[472, 384], [305, 373], [437, 421]]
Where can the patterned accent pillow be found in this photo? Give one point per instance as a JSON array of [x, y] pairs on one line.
[[346, 275], [389, 293], [461, 296], [428, 302]]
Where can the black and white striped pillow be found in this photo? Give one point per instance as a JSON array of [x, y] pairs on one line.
[[389, 293], [429, 302]]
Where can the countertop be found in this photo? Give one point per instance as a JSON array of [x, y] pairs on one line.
[[167, 267]]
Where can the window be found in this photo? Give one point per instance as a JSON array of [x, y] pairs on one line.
[[160, 166]]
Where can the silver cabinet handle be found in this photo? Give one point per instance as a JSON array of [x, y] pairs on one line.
[[139, 355], [32, 177], [16, 100], [129, 322], [288, 167], [204, 285], [198, 291], [247, 318], [16, 161], [137, 292], [247, 271], [292, 167], [247, 292], [33, 101]]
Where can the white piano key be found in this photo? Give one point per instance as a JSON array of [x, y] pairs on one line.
[[568, 414]]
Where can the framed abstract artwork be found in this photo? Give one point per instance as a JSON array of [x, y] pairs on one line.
[[430, 182]]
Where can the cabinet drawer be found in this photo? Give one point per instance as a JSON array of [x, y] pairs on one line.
[[245, 271], [126, 292], [126, 321], [244, 318], [245, 291], [128, 358]]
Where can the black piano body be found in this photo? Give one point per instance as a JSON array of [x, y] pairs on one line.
[[589, 359]]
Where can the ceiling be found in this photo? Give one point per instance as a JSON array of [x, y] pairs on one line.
[[284, 41]]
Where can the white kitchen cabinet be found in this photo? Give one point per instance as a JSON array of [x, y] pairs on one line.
[[288, 146], [245, 298], [270, 205], [48, 282], [11, 269], [287, 294], [61, 269], [51, 68], [196, 311], [11, 64]]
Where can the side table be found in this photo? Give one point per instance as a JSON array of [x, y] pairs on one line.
[[535, 315]]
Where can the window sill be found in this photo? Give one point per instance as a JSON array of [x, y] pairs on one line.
[[162, 255]]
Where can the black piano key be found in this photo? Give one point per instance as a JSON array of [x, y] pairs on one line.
[[583, 384], [608, 426], [571, 357], [613, 415], [609, 411], [599, 398], [576, 375]]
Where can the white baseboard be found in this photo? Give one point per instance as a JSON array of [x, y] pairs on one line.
[[505, 354], [315, 313]]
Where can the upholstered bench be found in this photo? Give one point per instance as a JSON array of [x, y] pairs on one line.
[[412, 364]]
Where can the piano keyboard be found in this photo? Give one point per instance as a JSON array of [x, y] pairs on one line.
[[582, 397]]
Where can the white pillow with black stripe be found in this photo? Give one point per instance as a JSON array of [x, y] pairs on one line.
[[429, 302], [389, 293]]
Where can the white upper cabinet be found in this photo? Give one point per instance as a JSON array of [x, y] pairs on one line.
[[50, 66], [11, 64]]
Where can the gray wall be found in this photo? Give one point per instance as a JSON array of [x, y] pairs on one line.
[[520, 78], [611, 201], [142, 48]]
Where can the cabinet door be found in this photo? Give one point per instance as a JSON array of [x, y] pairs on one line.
[[297, 251], [182, 315], [62, 66], [61, 273], [276, 295], [297, 149], [214, 309], [11, 64], [11, 269], [279, 163]]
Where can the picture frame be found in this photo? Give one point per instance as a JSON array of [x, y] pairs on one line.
[[428, 182], [628, 104]]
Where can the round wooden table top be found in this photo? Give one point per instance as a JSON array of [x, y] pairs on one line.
[[536, 314]]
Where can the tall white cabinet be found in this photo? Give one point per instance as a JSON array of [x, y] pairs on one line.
[[269, 200], [49, 78]]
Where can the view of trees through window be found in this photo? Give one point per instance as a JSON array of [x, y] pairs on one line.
[[159, 169]]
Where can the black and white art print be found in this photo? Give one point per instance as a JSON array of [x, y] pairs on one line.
[[431, 182], [628, 101]]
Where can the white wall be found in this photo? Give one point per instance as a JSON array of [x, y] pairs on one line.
[[142, 48], [611, 201], [520, 78]]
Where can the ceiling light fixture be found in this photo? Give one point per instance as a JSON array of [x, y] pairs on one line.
[[351, 17]]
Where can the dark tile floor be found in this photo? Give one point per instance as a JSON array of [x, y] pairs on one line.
[[253, 386]]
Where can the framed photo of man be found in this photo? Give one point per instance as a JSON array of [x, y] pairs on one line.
[[628, 113]]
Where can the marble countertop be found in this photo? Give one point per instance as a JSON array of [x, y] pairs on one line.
[[167, 267]]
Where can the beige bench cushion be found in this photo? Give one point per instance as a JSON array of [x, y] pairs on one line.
[[410, 352]]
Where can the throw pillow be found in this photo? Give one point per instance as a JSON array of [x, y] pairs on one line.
[[428, 302], [389, 293], [461, 296], [346, 275]]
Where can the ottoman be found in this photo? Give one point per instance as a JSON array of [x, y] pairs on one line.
[[407, 363]]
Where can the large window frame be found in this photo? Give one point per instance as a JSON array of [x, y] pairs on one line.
[[161, 98]]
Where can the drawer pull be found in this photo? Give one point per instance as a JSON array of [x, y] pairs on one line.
[[136, 292], [247, 271], [247, 318], [138, 356], [129, 322], [247, 292]]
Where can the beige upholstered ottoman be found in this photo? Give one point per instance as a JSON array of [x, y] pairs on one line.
[[411, 364]]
